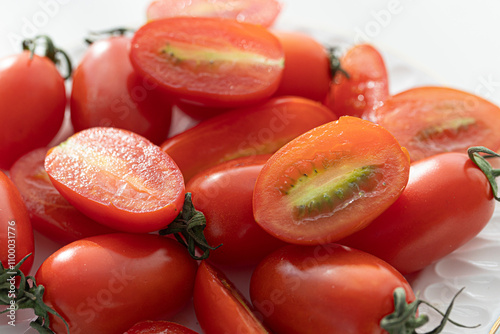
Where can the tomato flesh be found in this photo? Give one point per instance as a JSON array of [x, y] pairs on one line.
[[159, 327], [209, 61], [118, 178], [330, 182]]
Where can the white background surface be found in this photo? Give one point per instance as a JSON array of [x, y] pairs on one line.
[[454, 43]]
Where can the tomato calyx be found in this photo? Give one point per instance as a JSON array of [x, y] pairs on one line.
[[188, 228], [335, 64], [28, 295], [404, 320], [94, 36], [480, 160], [56, 55]]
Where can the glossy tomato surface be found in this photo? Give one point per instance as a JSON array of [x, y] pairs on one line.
[[159, 327], [262, 12], [107, 92], [105, 284], [16, 236], [261, 129], [446, 203], [307, 66], [50, 213], [220, 307], [365, 89], [209, 61], [117, 178], [32, 104], [224, 194], [432, 120], [330, 182], [325, 289]]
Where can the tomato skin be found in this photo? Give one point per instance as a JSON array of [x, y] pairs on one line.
[[446, 202], [16, 236], [107, 92], [307, 67], [260, 129], [262, 12], [32, 104], [325, 289], [50, 213], [219, 306], [224, 194], [296, 197], [107, 283], [367, 86], [211, 62], [124, 181], [159, 327], [433, 120]]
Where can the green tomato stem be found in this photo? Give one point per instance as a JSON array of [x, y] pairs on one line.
[[479, 154], [56, 55]]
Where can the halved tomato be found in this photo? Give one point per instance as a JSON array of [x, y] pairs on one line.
[[330, 182], [263, 12], [117, 178], [261, 129], [209, 61], [432, 120]]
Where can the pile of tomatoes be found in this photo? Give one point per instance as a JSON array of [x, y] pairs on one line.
[[301, 166]]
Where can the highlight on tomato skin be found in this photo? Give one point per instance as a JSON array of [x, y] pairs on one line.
[[330, 182], [117, 178], [211, 62], [51, 215], [261, 12]]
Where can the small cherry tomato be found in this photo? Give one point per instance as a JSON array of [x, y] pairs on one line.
[[50, 213], [262, 12], [209, 61], [224, 194], [16, 234], [32, 104], [325, 289], [105, 284], [117, 178], [361, 85], [159, 327], [220, 307], [447, 202], [330, 182], [307, 67], [260, 129], [107, 92]]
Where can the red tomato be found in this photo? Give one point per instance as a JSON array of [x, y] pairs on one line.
[[307, 67], [432, 120], [16, 234], [32, 104], [117, 178], [325, 289], [447, 202], [107, 92], [224, 194], [209, 61], [263, 12], [330, 182], [220, 307], [261, 129], [105, 284], [200, 113], [49, 212], [365, 89], [159, 327]]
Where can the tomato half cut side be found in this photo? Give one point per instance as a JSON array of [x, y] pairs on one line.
[[432, 120], [330, 182], [117, 178], [209, 61], [50, 213], [158, 327], [219, 306], [262, 12], [260, 129]]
